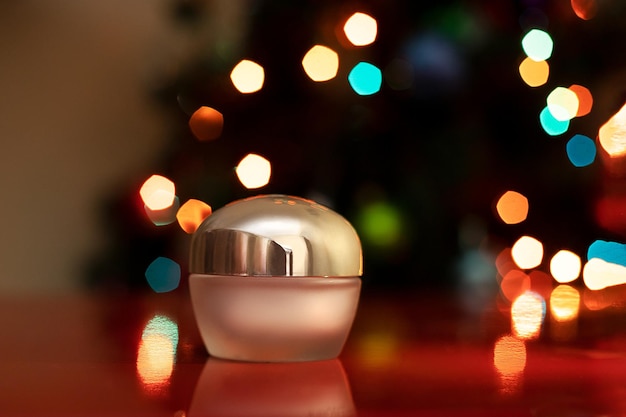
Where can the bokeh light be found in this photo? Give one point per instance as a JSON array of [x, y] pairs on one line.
[[380, 224], [534, 73], [585, 99], [248, 76], [585, 9], [361, 29], [512, 207], [158, 192], [537, 45], [565, 266], [564, 303], [206, 123], [156, 353], [365, 78], [599, 274], [165, 216], [192, 214], [550, 125], [563, 103], [163, 274], [321, 63], [613, 252], [612, 134], [509, 355], [581, 150], [254, 171], [514, 283], [527, 252], [527, 314]]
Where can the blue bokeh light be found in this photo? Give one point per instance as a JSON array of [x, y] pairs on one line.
[[612, 252], [163, 274], [365, 79], [581, 150]]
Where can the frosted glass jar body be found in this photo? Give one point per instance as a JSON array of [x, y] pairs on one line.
[[274, 319]]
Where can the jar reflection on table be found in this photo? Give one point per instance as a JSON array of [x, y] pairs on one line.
[[227, 388]]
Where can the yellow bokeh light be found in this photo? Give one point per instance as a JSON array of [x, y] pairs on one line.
[[155, 360], [612, 134], [585, 99], [527, 314], [509, 355], [191, 214], [564, 303], [248, 76], [565, 266], [254, 171], [534, 73], [527, 252], [563, 104], [361, 29], [599, 274], [158, 192], [512, 207], [321, 63]]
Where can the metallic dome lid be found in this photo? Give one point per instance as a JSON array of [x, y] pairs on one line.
[[276, 235]]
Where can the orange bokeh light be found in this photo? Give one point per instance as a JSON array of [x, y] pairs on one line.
[[585, 99], [534, 73], [514, 284], [509, 355], [206, 123], [158, 192], [192, 214], [512, 207], [155, 360], [612, 134], [585, 9]]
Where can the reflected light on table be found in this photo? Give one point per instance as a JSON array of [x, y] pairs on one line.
[[156, 354], [564, 303], [230, 389], [527, 314], [509, 359]]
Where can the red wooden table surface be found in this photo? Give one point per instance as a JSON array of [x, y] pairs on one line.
[[410, 354]]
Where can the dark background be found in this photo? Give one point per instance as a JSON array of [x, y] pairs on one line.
[[437, 155]]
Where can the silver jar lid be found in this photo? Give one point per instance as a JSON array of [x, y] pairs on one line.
[[276, 235]]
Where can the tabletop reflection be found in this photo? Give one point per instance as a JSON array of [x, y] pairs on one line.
[[272, 389]]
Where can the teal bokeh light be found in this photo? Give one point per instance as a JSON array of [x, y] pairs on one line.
[[365, 79], [612, 252], [162, 326], [163, 274], [552, 126], [581, 150]]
